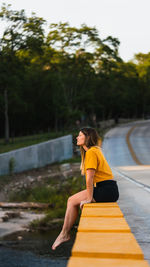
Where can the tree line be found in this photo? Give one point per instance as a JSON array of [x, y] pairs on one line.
[[66, 77]]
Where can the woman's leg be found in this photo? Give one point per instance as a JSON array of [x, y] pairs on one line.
[[70, 217]]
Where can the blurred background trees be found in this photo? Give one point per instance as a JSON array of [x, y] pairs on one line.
[[68, 76]]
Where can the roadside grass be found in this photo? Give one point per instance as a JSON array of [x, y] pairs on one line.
[[19, 142], [24, 141], [74, 159], [55, 192]]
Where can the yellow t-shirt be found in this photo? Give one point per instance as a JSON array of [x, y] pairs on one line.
[[94, 159]]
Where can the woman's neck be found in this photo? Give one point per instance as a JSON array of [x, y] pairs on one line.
[[85, 148]]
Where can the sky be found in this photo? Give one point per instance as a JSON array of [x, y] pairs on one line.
[[127, 20]]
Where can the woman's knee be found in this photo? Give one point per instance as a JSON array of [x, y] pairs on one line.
[[71, 201]]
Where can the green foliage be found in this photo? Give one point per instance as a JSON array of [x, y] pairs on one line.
[[72, 160], [70, 74], [19, 142], [55, 192], [12, 164]]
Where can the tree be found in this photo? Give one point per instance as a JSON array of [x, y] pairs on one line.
[[142, 62], [22, 34], [9, 43], [71, 74]]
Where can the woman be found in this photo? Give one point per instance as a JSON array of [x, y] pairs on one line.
[[100, 186]]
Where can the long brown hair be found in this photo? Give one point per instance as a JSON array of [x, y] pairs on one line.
[[92, 138]]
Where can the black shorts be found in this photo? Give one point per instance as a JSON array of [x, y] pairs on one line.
[[106, 191]]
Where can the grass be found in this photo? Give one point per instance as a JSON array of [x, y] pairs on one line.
[[53, 191], [75, 159], [19, 142], [24, 141]]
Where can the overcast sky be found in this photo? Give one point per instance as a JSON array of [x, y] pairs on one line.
[[127, 20]]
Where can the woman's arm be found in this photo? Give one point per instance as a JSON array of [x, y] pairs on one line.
[[89, 183], [89, 186]]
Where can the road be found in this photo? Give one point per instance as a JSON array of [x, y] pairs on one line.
[[116, 149], [140, 141], [127, 149]]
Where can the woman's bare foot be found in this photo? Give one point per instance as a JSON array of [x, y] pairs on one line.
[[60, 239]]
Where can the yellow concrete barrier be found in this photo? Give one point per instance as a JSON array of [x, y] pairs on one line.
[[104, 239], [95, 262], [101, 212], [106, 245], [102, 224]]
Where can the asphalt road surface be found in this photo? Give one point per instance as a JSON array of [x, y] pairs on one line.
[[127, 149]]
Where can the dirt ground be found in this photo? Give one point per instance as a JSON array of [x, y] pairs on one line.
[[32, 177]]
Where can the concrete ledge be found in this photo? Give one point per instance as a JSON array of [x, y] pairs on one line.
[[104, 238], [94, 262], [107, 245], [101, 212], [90, 224]]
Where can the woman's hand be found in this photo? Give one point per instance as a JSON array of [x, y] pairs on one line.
[[84, 202]]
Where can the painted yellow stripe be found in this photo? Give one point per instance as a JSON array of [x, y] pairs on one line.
[[101, 205], [130, 146]]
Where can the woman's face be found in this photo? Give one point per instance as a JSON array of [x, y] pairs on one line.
[[81, 139]]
